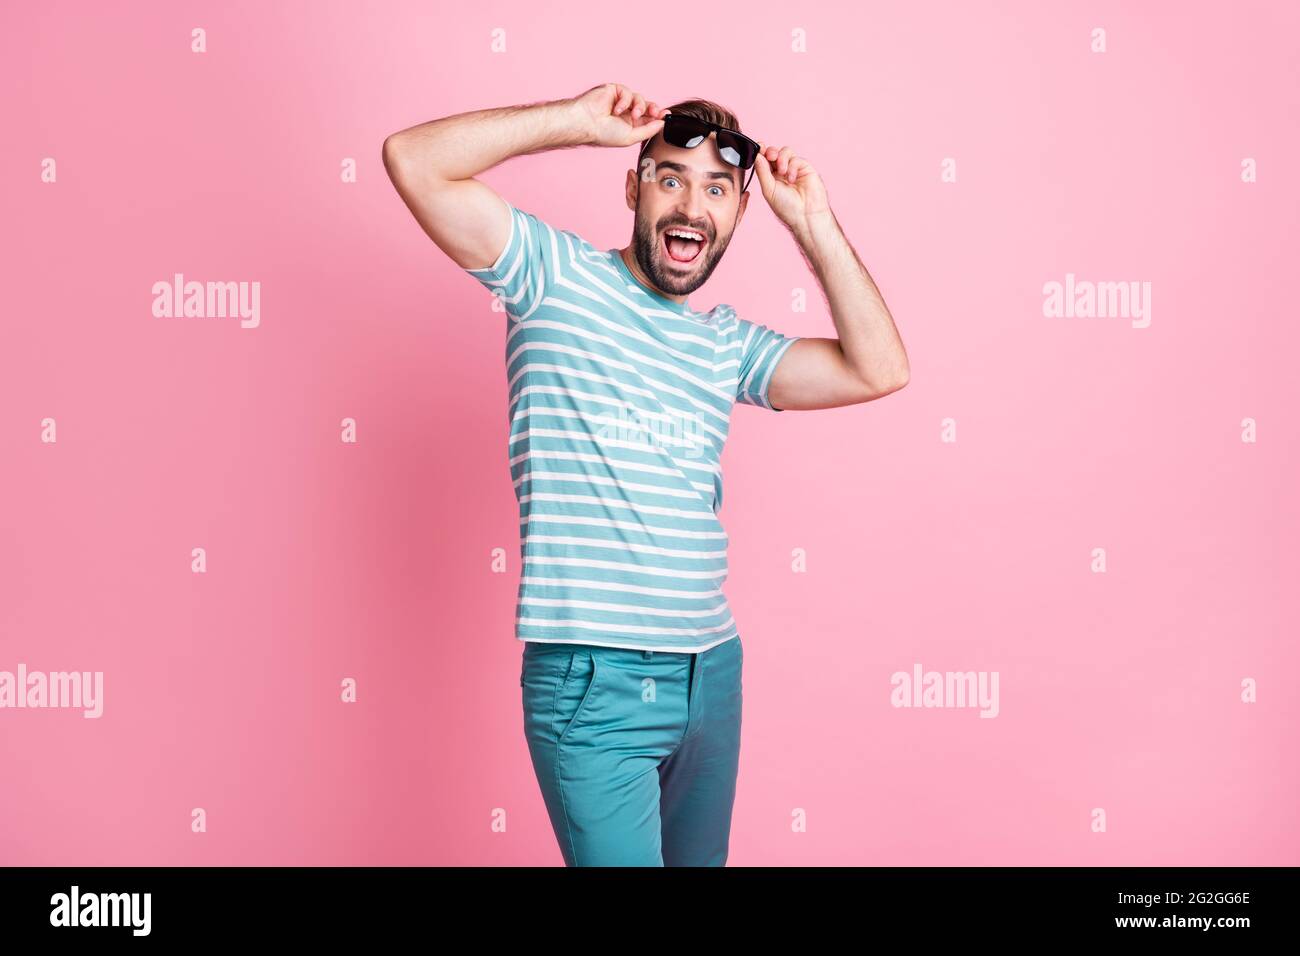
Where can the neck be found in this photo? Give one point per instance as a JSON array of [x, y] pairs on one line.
[[634, 267]]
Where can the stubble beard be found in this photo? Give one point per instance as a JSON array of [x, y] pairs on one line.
[[650, 256]]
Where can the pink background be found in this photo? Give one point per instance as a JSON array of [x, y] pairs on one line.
[[325, 560]]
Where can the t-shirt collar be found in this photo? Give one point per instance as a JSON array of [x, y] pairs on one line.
[[683, 308]]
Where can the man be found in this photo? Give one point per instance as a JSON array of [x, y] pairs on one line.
[[621, 398]]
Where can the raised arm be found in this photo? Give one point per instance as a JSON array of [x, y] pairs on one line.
[[867, 360], [433, 165]]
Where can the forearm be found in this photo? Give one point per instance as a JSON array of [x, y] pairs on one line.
[[466, 144], [867, 334]]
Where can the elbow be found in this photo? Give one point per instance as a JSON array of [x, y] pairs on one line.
[[392, 155], [899, 375], [403, 159], [881, 385], [409, 165]]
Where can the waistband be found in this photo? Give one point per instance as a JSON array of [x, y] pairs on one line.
[[606, 652]]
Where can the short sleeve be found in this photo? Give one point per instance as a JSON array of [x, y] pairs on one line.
[[522, 271], [761, 349]]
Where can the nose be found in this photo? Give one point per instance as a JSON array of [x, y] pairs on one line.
[[691, 205]]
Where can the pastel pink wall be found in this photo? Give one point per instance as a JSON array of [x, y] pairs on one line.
[[1118, 690]]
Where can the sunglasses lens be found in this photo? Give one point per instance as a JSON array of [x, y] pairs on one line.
[[736, 150], [684, 131]]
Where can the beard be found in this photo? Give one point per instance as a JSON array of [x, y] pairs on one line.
[[668, 275]]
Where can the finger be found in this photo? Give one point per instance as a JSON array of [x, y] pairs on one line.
[[638, 107], [624, 97], [794, 169], [647, 129], [783, 160]]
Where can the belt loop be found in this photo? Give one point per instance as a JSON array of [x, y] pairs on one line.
[[647, 654]]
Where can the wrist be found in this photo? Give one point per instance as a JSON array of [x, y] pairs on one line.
[[574, 121], [816, 228]]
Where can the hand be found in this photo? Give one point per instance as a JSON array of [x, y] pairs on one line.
[[791, 186], [616, 116]]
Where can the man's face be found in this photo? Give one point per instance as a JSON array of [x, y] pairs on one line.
[[690, 189]]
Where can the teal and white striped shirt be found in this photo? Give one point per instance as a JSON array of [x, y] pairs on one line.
[[620, 402]]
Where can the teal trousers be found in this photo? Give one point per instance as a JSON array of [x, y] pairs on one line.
[[636, 752]]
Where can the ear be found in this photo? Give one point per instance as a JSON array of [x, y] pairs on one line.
[[744, 201], [631, 188]]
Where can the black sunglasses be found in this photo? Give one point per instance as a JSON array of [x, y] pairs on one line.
[[734, 147]]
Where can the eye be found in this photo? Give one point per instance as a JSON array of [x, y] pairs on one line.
[[666, 178], [721, 191]]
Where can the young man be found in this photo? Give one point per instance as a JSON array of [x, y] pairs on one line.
[[621, 398]]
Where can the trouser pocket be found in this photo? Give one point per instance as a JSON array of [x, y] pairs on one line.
[[575, 692], [558, 685]]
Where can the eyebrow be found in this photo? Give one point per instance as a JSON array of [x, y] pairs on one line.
[[711, 174]]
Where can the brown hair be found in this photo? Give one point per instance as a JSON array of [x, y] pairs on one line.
[[708, 111]]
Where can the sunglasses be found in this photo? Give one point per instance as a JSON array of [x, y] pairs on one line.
[[735, 148]]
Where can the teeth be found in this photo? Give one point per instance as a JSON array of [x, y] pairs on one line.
[[686, 234]]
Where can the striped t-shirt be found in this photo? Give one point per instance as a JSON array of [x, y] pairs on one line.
[[620, 402]]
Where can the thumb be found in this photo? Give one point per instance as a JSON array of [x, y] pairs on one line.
[[764, 171]]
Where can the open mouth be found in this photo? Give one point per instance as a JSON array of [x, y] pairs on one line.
[[683, 245]]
